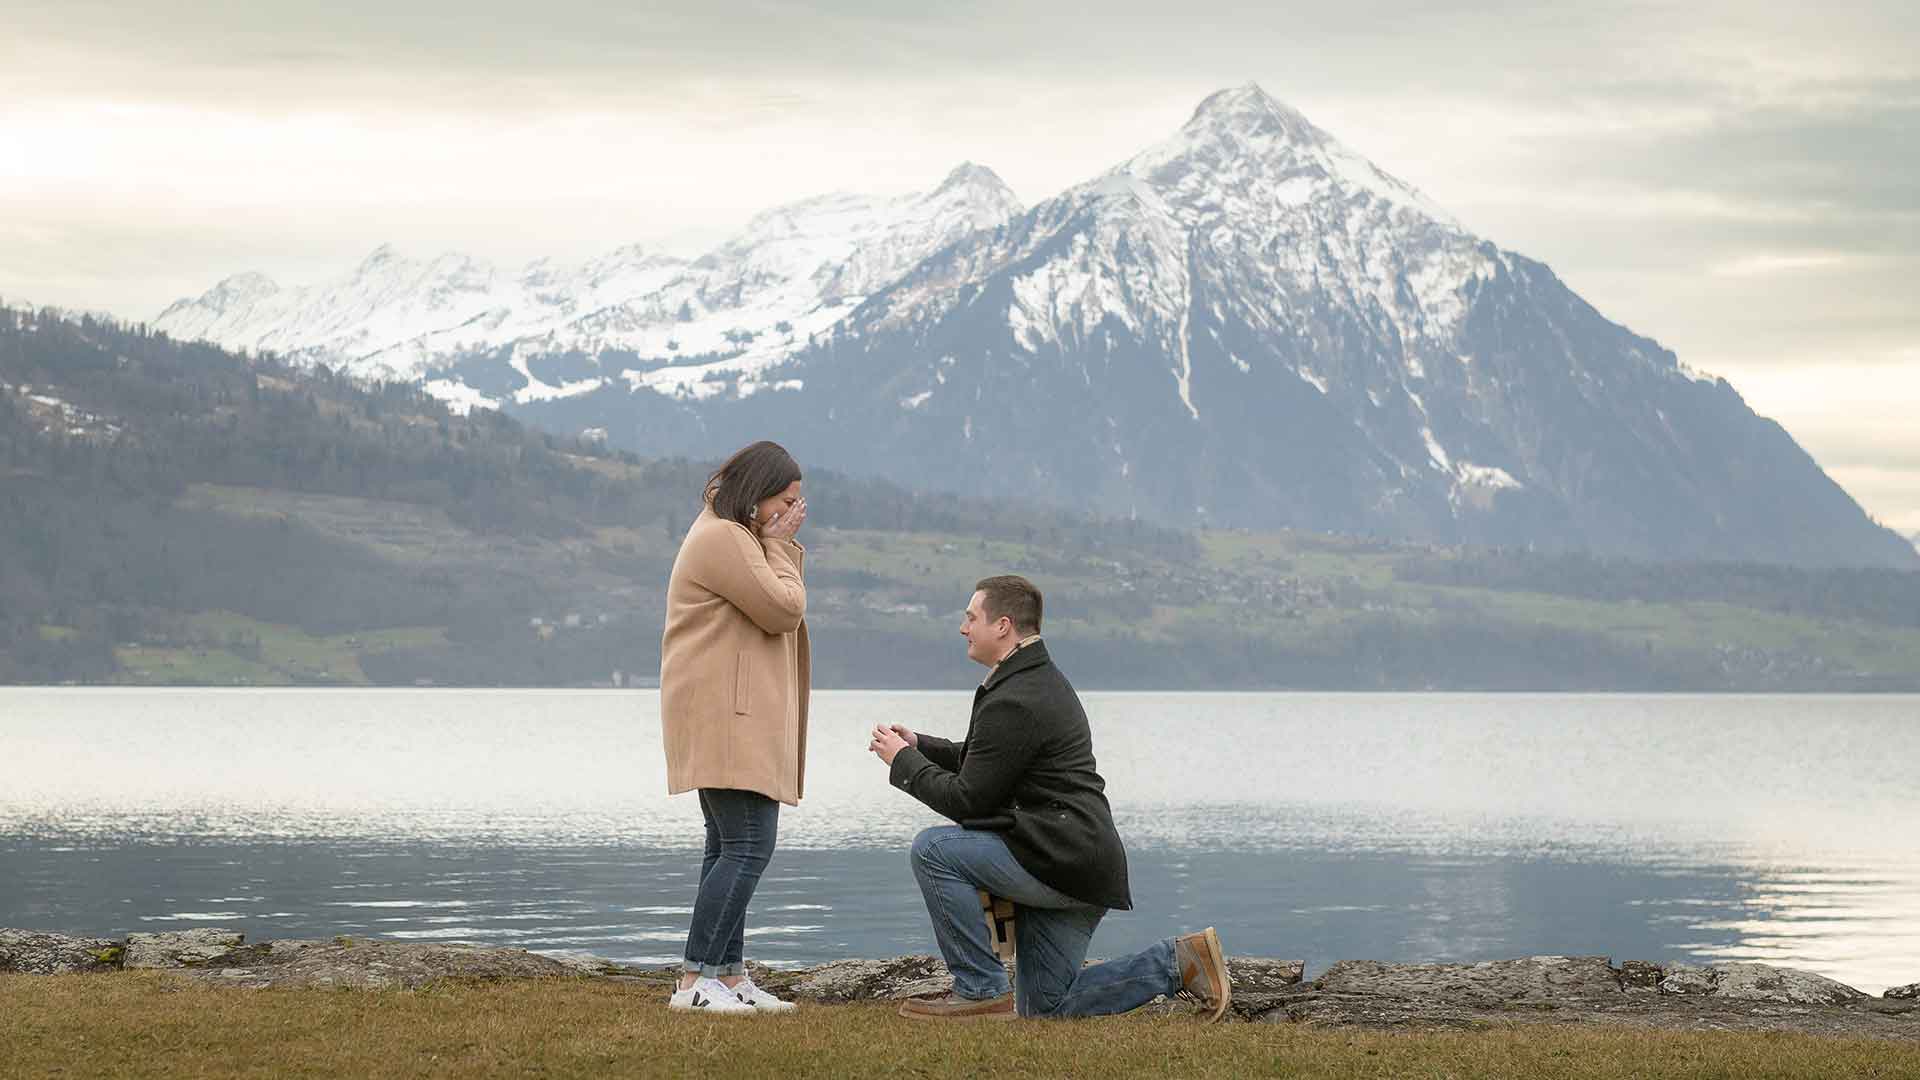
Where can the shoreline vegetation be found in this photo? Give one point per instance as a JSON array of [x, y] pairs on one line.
[[206, 1003], [178, 515]]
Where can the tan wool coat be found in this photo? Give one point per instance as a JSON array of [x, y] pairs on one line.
[[735, 670]]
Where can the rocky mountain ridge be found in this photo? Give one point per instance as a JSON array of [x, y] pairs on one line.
[[1246, 324]]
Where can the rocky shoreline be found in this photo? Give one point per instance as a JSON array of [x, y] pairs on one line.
[[1537, 989]]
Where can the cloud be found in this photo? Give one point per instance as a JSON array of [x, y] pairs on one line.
[[1774, 263]]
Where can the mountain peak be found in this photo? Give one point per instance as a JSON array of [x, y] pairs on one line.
[[379, 257], [976, 193], [967, 174], [234, 293], [251, 283], [980, 188], [1210, 165], [1250, 110]]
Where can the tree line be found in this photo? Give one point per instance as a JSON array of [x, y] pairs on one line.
[[105, 426], [1870, 594], [105, 429]]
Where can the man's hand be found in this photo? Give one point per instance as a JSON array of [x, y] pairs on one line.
[[906, 733], [887, 743]]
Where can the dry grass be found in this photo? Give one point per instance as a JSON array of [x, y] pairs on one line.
[[151, 1025]]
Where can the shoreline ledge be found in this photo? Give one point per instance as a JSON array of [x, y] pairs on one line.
[[1350, 993]]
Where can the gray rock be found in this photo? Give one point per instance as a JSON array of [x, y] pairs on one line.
[[182, 948], [1264, 975], [1763, 982], [1688, 979], [868, 980], [931, 986], [1535, 981], [373, 965], [27, 953], [1260, 984], [1759, 982], [1540, 989], [583, 964], [1640, 975]]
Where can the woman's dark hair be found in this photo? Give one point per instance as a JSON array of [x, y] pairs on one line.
[[756, 472]]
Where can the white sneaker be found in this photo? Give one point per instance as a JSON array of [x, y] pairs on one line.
[[709, 995], [760, 999]]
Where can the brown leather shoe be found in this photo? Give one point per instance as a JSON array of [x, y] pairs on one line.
[[953, 1007], [1203, 970]]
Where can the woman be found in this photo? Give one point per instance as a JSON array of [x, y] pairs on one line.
[[734, 680]]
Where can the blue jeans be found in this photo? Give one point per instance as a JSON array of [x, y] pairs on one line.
[[741, 829], [1051, 930]]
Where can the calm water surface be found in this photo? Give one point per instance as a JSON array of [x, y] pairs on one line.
[[1314, 826]]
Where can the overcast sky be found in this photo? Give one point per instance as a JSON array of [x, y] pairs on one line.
[[1739, 181]]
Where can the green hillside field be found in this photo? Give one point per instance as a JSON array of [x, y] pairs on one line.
[[173, 514]]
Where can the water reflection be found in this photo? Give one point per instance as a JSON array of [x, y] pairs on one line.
[[1400, 827], [822, 904]]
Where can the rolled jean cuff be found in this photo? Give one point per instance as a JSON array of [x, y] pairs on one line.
[[713, 971]]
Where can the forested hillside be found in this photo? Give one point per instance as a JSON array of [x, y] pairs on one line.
[[173, 513], [169, 496]]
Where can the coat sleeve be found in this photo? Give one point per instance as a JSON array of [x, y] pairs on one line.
[[760, 577], [998, 753], [942, 752]]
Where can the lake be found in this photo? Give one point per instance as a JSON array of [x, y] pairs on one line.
[[1403, 827]]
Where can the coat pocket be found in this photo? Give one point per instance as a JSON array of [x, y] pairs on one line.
[[742, 681]]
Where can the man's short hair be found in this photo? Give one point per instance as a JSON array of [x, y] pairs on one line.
[[1012, 596]]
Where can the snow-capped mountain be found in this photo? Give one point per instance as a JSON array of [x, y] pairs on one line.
[[472, 331], [1246, 324], [1249, 324], [1281, 280]]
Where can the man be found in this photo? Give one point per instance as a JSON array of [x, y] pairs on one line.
[[1034, 828]]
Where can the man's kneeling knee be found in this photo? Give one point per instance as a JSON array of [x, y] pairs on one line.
[[922, 849]]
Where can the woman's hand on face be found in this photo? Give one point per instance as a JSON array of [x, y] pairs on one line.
[[784, 525]]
